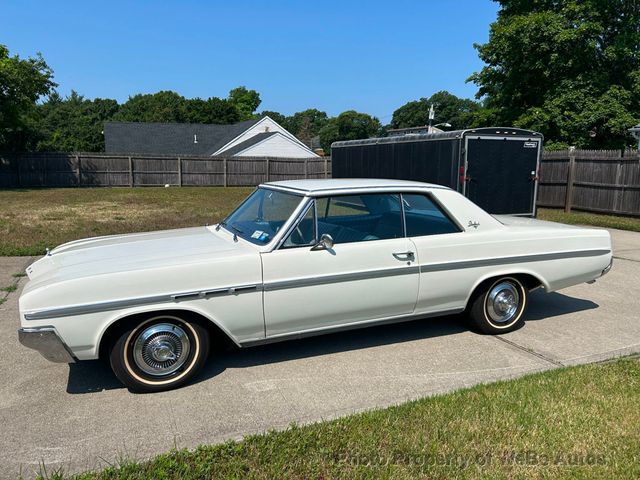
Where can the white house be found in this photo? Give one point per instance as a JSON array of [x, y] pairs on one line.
[[261, 137]]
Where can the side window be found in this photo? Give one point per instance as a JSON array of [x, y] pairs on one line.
[[304, 234], [424, 217], [360, 218]]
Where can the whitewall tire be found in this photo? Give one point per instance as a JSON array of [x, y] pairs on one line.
[[159, 353], [498, 306]]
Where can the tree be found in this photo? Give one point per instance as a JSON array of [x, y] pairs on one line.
[[163, 106], [569, 69], [275, 116], [22, 83], [168, 106], [349, 125], [246, 101], [211, 110], [459, 112], [73, 123], [306, 124]]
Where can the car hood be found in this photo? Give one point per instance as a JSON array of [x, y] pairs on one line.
[[117, 253]]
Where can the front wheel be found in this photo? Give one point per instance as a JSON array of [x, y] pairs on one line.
[[160, 353], [498, 306]]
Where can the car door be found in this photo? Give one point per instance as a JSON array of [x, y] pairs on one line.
[[369, 273], [438, 239]]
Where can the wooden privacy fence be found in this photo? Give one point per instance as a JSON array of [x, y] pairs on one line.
[[603, 181], [104, 170]]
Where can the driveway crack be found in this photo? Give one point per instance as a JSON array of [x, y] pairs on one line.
[[627, 259], [530, 352]]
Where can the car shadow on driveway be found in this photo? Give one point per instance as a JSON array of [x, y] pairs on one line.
[[547, 305], [91, 376], [96, 375]]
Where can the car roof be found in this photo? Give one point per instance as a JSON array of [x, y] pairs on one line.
[[336, 185]]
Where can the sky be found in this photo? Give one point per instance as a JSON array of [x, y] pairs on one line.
[[370, 56]]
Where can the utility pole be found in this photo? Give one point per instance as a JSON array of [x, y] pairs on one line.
[[432, 115]]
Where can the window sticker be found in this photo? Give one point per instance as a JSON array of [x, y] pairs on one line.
[[257, 234]]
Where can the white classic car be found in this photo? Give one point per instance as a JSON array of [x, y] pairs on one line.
[[295, 258]]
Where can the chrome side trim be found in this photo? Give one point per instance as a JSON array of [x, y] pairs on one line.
[[350, 326], [341, 277], [135, 302], [47, 342], [302, 282], [486, 262]]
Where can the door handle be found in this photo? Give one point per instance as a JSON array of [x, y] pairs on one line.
[[404, 255]]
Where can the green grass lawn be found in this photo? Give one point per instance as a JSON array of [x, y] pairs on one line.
[[586, 218], [32, 220], [579, 422]]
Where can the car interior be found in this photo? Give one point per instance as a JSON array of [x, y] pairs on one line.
[[358, 218]]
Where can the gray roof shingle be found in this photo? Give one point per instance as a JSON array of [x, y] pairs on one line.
[[247, 143], [170, 138]]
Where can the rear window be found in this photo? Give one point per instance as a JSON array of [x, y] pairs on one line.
[[423, 217]]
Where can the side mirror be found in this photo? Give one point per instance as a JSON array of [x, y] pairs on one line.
[[325, 243]]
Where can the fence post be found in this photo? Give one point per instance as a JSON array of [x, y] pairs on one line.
[[306, 168], [619, 191], [224, 170], [267, 167], [326, 168], [130, 172], [179, 172], [78, 172], [570, 177]]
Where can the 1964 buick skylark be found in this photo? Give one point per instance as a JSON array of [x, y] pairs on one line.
[[295, 258]]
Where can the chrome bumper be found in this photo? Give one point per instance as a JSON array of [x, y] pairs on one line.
[[46, 341]]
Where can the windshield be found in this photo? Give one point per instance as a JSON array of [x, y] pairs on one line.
[[261, 215]]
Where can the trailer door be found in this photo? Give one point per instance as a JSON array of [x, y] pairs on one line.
[[501, 173]]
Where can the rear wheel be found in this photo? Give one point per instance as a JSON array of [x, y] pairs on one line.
[[498, 306], [160, 353]]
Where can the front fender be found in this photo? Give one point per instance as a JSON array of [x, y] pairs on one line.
[[122, 317]]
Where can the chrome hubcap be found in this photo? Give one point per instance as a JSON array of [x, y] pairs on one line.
[[161, 349], [502, 302]]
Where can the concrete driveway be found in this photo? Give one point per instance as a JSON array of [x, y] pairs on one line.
[[79, 416]]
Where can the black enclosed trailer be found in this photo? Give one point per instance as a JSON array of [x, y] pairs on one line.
[[496, 168]]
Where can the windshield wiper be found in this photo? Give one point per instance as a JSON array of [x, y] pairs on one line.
[[236, 228], [233, 226]]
